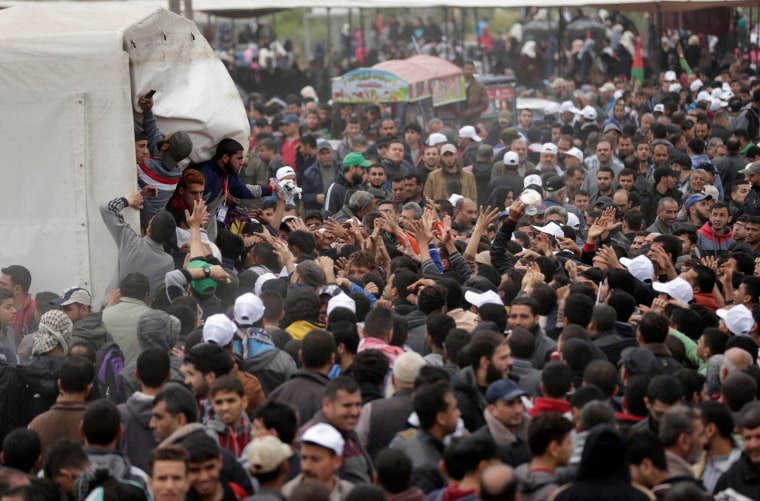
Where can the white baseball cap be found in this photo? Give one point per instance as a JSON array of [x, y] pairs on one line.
[[282, 172], [549, 148], [511, 158], [618, 94], [718, 104], [567, 106], [704, 96], [532, 179], [436, 138], [575, 152], [678, 289], [589, 113], [326, 436], [479, 299], [261, 280], [738, 319], [341, 301], [469, 132], [674, 87], [266, 453], [573, 221], [659, 108], [550, 228], [219, 329], [551, 108], [248, 309], [670, 76], [695, 85], [641, 267]]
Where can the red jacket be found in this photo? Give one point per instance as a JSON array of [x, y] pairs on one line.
[[544, 404]]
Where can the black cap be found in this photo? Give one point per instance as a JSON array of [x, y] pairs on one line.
[[639, 361], [554, 184], [478, 284]]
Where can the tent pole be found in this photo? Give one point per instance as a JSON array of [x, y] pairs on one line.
[[560, 44], [658, 39], [443, 24], [361, 30], [463, 31], [329, 35]]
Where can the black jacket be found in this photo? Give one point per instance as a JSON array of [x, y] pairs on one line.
[[470, 398], [743, 477], [603, 474]]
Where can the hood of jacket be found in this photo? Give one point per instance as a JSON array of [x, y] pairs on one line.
[[531, 481], [625, 330], [41, 375], [139, 406], [92, 328], [102, 462], [466, 382], [604, 458], [157, 329]]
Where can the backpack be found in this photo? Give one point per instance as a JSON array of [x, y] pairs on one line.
[[109, 362]]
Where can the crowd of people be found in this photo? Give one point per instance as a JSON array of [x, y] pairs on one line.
[[559, 305]]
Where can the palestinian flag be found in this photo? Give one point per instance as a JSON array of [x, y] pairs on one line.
[[637, 69]]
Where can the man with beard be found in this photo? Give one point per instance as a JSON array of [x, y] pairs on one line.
[[450, 172], [743, 475], [465, 213], [491, 360], [341, 407], [548, 160], [667, 211], [682, 433], [377, 180], [603, 158], [346, 182], [431, 160], [223, 184], [739, 192], [524, 315], [624, 147], [203, 365], [664, 186], [605, 178], [697, 208]]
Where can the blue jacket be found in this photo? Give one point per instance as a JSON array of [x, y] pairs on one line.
[[215, 177], [312, 185], [338, 194]]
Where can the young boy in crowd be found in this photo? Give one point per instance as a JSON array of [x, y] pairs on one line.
[[229, 419]]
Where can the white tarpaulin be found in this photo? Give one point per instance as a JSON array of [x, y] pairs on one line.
[[251, 8], [69, 77]]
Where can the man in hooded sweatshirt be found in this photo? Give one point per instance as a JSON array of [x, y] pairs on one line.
[[551, 447], [604, 471], [153, 371], [155, 330], [101, 430]]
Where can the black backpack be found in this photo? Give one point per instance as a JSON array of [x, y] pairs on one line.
[[109, 362]]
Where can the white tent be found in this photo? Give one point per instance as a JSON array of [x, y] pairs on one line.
[[69, 77], [249, 8]]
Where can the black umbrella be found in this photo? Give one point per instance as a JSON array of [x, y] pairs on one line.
[[579, 29], [539, 30]]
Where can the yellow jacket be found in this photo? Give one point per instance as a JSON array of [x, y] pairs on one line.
[[436, 184]]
